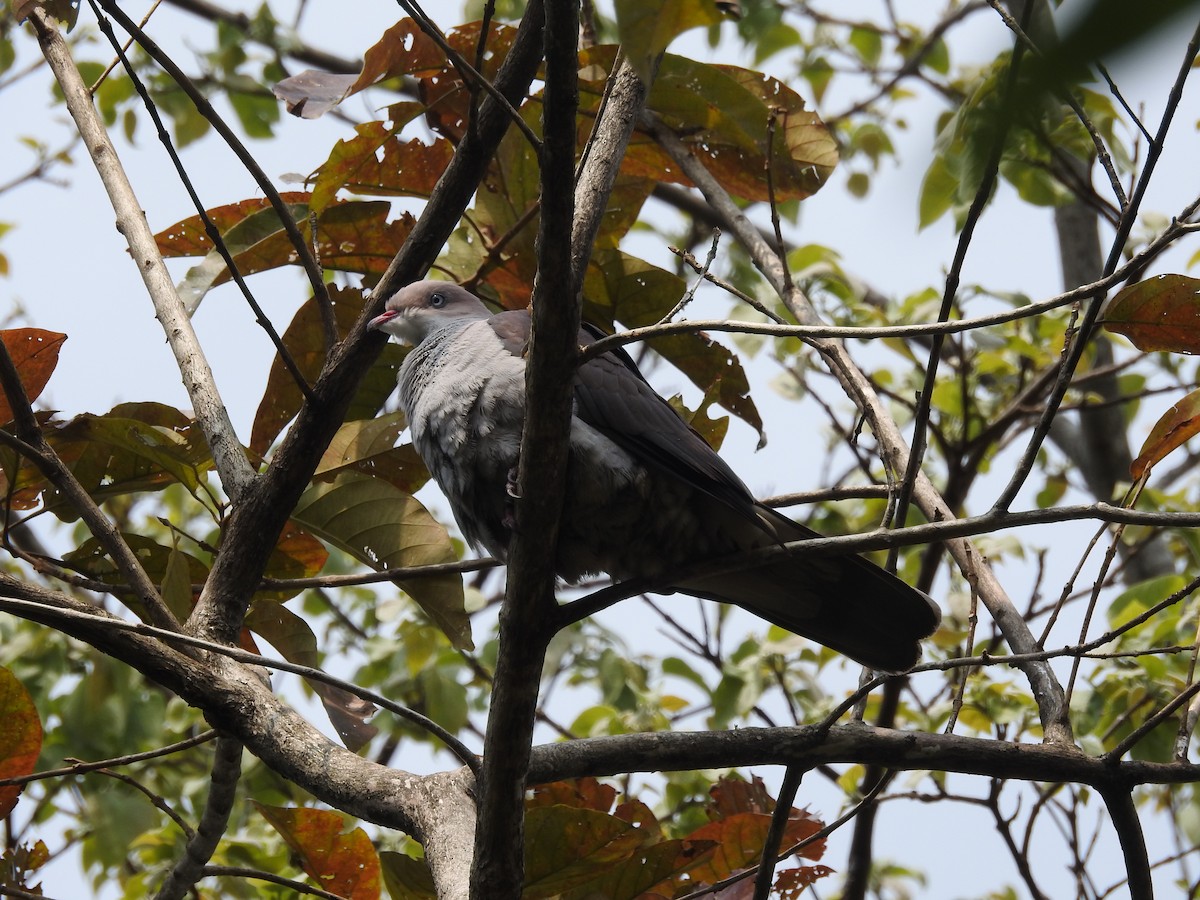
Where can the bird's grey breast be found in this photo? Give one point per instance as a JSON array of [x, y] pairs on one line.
[[463, 392]]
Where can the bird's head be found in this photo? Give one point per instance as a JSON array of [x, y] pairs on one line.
[[423, 307]]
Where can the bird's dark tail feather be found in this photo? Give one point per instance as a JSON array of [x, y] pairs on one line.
[[844, 602]]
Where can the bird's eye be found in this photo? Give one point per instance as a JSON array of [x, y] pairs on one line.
[[437, 301]]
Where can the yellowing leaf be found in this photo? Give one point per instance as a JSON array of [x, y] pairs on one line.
[[1171, 431], [20, 737], [1160, 313], [646, 29]]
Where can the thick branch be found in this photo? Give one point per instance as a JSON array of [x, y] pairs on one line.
[[227, 767], [804, 747], [252, 529], [623, 106], [529, 601], [1128, 826]]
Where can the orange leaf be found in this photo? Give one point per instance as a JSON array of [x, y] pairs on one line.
[[340, 861], [378, 162], [1172, 430], [1160, 313], [20, 737], [35, 354]]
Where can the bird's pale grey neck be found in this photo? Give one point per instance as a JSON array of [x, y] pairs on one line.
[[424, 361]]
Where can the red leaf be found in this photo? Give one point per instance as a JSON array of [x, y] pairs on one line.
[[580, 793], [35, 354]]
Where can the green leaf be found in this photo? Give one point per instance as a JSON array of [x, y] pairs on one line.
[[176, 587], [567, 846], [386, 528], [295, 641], [1141, 597], [938, 189], [406, 878], [621, 287]]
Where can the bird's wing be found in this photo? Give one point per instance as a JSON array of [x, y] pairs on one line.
[[512, 327], [613, 397]]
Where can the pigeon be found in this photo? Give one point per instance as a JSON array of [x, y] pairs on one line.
[[646, 496]]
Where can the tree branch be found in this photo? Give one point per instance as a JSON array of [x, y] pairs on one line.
[[254, 525], [228, 455], [527, 612], [227, 767]]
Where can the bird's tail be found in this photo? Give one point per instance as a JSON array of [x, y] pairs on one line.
[[844, 602]]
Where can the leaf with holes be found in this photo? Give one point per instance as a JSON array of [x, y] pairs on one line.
[[34, 352]]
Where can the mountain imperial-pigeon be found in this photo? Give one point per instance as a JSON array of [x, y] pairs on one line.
[[646, 497]]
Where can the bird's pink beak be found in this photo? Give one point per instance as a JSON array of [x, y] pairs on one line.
[[379, 320]]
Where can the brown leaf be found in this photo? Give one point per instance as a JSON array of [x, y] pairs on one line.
[[581, 793], [20, 737], [1160, 313], [1171, 431], [34, 352], [403, 50], [791, 884], [340, 861], [378, 162], [304, 339], [295, 641], [731, 796]]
